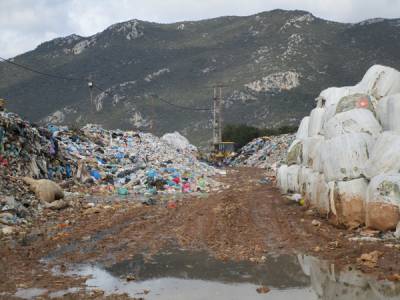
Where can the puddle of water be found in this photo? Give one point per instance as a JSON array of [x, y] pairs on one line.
[[169, 288], [179, 275], [61, 293], [348, 284], [186, 275]]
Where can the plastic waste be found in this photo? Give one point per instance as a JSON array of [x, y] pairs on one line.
[[123, 191]]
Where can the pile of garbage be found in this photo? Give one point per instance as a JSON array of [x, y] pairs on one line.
[[345, 160], [36, 162], [264, 152], [123, 161], [24, 151]]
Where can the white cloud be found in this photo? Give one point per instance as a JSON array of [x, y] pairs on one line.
[[26, 23]]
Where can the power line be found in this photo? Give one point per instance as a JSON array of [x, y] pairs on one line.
[[40, 72], [184, 107], [94, 85]]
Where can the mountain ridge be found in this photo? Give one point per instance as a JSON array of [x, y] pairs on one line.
[[274, 65]]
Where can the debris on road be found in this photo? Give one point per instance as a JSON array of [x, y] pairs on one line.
[[370, 259], [263, 290]]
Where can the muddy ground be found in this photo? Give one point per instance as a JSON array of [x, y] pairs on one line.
[[247, 221]]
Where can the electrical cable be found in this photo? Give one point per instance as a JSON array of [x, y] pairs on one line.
[[95, 85]]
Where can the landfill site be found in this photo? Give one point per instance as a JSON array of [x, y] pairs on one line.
[[92, 213], [95, 212]]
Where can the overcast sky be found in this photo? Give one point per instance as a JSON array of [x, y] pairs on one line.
[[26, 23]]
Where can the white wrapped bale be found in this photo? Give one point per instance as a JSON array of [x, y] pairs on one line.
[[293, 178], [302, 132], [353, 101], [332, 96], [315, 190], [281, 179], [382, 112], [319, 193], [311, 153], [294, 155], [304, 179], [355, 120], [316, 121], [344, 156], [380, 81], [393, 112], [347, 201], [388, 111], [385, 155], [383, 200]]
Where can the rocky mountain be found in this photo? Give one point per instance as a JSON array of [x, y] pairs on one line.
[[274, 64]]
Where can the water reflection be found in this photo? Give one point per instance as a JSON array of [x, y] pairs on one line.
[[195, 275], [330, 283]]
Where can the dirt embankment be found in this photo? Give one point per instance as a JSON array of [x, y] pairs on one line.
[[245, 222]]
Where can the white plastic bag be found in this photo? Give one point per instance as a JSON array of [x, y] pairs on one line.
[[385, 155], [344, 156], [355, 120]]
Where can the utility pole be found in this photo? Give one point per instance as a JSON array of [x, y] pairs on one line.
[[217, 114], [153, 116], [90, 85]]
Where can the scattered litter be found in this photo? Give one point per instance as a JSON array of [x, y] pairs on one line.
[[262, 290], [370, 259]]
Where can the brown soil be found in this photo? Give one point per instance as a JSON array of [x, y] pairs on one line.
[[244, 222]]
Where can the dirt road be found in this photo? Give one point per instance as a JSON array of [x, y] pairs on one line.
[[244, 222]]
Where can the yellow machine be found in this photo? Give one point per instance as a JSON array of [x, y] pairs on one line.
[[222, 151], [2, 104]]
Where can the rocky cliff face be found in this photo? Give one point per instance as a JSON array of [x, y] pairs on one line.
[[273, 63]]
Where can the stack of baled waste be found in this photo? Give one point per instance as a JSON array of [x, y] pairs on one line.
[[264, 152], [345, 160]]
